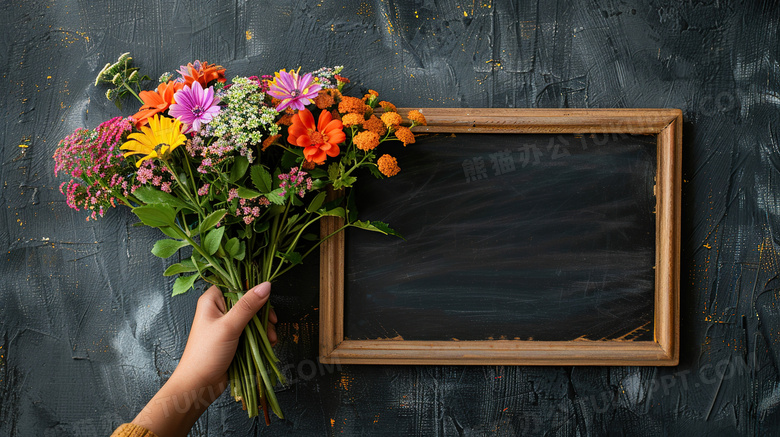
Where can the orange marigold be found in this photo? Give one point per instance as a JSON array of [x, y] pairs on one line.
[[391, 119], [352, 120], [375, 125], [417, 118], [272, 139], [324, 100], [353, 105], [387, 106], [404, 134], [388, 165], [366, 140]]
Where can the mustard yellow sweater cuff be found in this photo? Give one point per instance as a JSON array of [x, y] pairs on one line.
[[131, 430]]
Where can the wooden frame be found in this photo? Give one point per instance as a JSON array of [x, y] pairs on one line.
[[666, 124]]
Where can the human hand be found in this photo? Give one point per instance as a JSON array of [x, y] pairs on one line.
[[214, 337], [201, 375]]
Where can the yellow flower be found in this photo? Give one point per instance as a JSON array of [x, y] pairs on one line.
[[156, 140]]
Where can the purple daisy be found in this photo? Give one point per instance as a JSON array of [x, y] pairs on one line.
[[194, 106], [293, 90]]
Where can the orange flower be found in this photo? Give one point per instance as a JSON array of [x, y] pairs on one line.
[[353, 105], [388, 165], [324, 100], [391, 119], [404, 134], [203, 72], [350, 120], [371, 97], [375, 125], [319, 141], [366, 140], [417, 118], [387, 106], [156, 102]]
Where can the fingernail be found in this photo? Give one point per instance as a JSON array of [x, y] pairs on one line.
[[263, 289]]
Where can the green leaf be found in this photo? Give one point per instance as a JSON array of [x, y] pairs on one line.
[[166, 248], [155, 215], [232, 246], [183, 284], [290, 159], [184, 181], [170, 231], [246, 193], [261, 227], [335, 212], [182, 267], [348, 181], [334, 170], [240, 165], [151, 195], [319, 184], [212, 219], [316, 203], [310, 237], [241, 254], [317, 173], [276, 197], [293, 257], [377, 227], [261, 178], [212, 240]]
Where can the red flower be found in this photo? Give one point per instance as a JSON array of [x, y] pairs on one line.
[[318, 141]]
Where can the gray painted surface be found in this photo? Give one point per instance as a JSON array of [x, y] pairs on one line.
[[88, 332]]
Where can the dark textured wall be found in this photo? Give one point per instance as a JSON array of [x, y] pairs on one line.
[[88, 331]]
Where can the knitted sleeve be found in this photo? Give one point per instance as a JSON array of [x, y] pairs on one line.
[[131, 430]]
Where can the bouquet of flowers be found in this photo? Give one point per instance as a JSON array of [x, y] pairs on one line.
[[238, 171]]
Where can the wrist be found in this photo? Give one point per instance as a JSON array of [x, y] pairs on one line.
[[177, 406]]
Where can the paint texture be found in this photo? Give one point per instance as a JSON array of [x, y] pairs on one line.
[[87, 329]]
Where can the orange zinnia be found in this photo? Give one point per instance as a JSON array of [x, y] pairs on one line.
[[156, 102], [318, 141]]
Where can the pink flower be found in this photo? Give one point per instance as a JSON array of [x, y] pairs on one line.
[[194, 106], [293, 90]]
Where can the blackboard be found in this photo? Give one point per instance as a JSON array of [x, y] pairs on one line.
[[519, 240]]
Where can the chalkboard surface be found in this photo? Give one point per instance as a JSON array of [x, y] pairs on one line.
[[508, 236]]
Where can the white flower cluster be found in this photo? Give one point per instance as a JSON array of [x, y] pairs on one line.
[[246, 120]]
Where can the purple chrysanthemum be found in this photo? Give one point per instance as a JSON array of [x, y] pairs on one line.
[[293, 90], [194, 106]]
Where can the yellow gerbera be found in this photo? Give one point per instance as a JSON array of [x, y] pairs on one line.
[[156, 140]]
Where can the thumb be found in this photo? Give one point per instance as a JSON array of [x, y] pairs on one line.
[[246, 307]]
